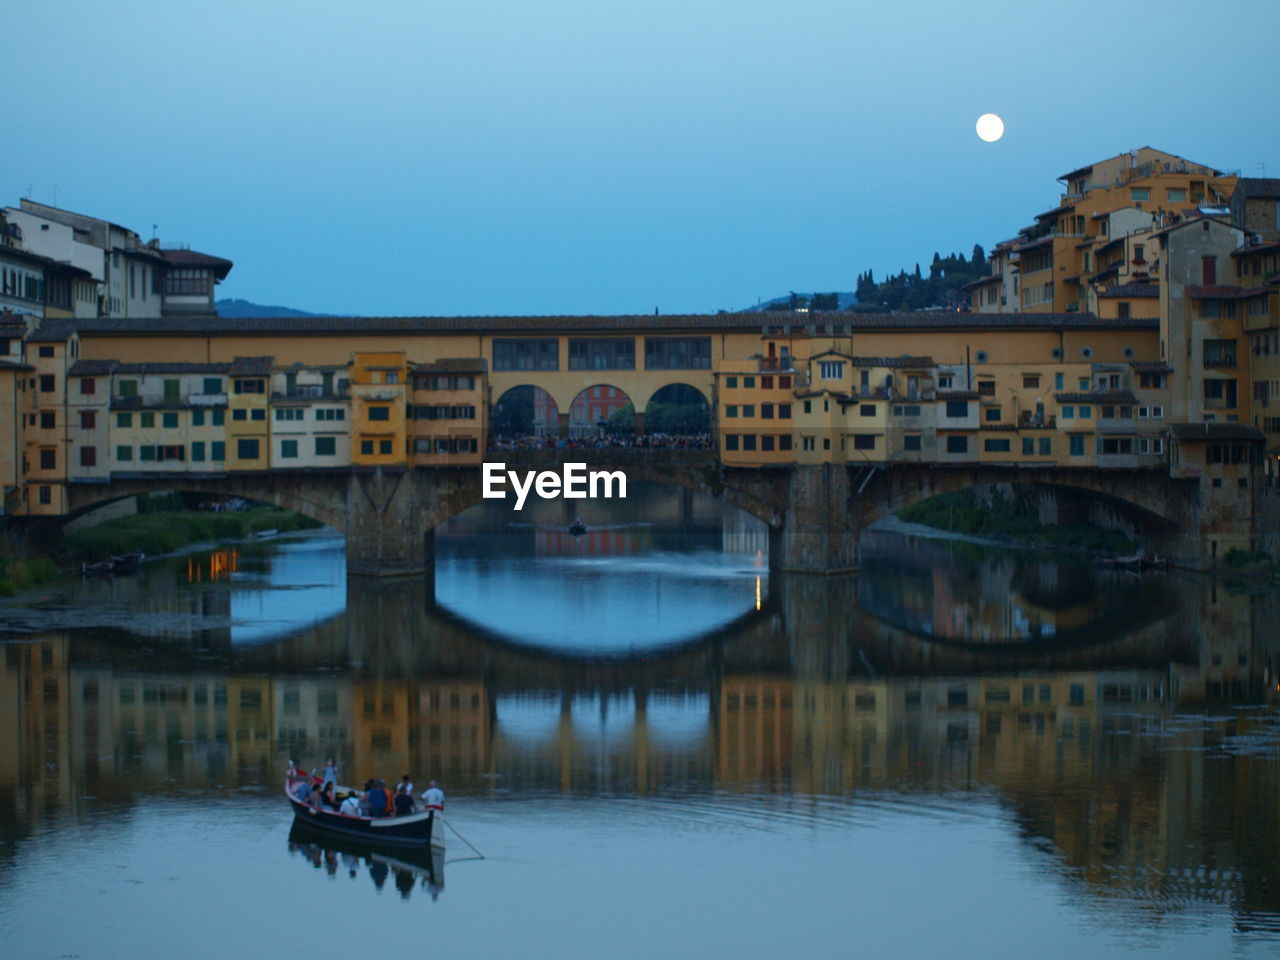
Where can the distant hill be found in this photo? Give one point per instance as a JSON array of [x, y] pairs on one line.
[[247, 308], [845, 300]]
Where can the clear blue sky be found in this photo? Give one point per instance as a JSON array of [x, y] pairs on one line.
[[580, 156]]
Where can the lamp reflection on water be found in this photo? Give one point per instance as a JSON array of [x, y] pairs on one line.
[[219, 565]]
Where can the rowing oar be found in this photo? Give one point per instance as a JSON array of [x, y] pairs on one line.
[[463, 839]]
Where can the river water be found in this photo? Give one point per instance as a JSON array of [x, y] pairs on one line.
[[655, 745]]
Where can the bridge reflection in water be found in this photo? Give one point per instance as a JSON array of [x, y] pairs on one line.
[[1132, 734]]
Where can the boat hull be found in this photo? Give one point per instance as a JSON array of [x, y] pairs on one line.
[[420, 831]]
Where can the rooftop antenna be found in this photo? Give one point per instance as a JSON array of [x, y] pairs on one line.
[[153, 230]]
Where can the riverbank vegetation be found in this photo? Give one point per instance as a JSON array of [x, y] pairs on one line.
[[164, 531], [1000, 517], [18, 575]]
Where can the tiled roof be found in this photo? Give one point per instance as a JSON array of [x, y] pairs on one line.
[[1259, 187], [53, 331], [1150, 366], [453, 365], [1215, 431], [11, 365], [708, 323], [176, 366], [91, 368], [251, 366], [1131, 290], [1222, 292], [1247, 249], [193, 259], [1032, 244], [1055, 211], [982, 281], [1111, 396]]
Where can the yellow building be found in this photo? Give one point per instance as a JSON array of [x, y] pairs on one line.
[[378, 391], [449, 412]]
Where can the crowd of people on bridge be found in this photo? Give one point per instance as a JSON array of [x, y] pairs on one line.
[[664, 441]]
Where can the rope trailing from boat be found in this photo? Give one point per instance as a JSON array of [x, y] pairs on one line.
[[463, 839]]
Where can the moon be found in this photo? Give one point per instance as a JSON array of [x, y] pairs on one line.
[[990, 127]]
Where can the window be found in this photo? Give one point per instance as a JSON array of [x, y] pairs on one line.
[[326, 447], [1220, 393], [247, 448], [766, 441], [864, 441], [784, 442], [1068, 413], [146, 452], [197, 452], [911, 441], [1028, 447], [957, 408], [124, 454], [1086, 412], [585, 354], [831, 369], [289, 449], [996, 445], [1176, 194], [47, 383], [366, 447], [211, 385], [46, 351], [748, 409], [219, 417], [48, 459], [1151, 381], [986, 388], [1058, 380], [197, 418], [1046, 446], [784, 411], [88, 386], [731, 441], [957, 444], [170, 420], [46, 495], [88, 456], [1138, 194], [945, 381], [1030, 381], [766, 411], [867, 410], [240, 414], [766, 383], [379, 413], [748, 441], [731, 383], [257, 413], [993, 414], [218, 451], [249, 386], [677, 353], [48, 421], [731, 410], [808, 406], [1122, 309], [1219, 353], [88, 419], [906, 410], [1076, 445], [806, 443], [749, 382], [146, 420]]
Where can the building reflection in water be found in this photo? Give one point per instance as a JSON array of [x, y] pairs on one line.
[[1144, 755], [214, 566]]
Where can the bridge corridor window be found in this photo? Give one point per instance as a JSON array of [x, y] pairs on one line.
[[1076, 445], [677, 353], [240, 414], [257, 414], [88, 419], [784, 411], [124, 454], [535, 354], [218, 451], [1028, 446], [289, 449], [957, 409], [910, 441], [993, 414], [996, 445], [147, 452], [864, 441], [748, 441], [1046, 446], [170, 420], [326, 447], [766, 442], [602, 354], [957, 444], [88, 456], [731, 383], [127, 388], [379, 413], [197, 452], [731, 441], [784, 441], [385, 447], [247, 448], [766, 411]]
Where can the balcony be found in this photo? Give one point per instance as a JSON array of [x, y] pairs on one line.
[[774, 364], [312, 391], [1027, 420], [201, 400]]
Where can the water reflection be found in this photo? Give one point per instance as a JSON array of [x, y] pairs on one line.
[[406, 870], [1125, 735]]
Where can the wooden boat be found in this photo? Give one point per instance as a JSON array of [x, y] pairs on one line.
[[425, 864], [96, 569], [128, 562], [420, 830]]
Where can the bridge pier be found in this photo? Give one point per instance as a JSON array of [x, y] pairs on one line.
[[821, 530]]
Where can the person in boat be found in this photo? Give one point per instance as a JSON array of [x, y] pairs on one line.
[[331, 772], [406, 785], [351, 805], [327, 798], [302, 790], [434, 797], [379, 800], [404, 804]]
